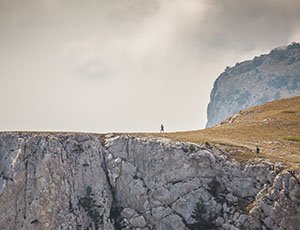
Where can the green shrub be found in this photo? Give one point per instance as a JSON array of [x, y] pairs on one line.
[[198, 215], [88, 203], [292, 138], [115, 214], [192, 148]]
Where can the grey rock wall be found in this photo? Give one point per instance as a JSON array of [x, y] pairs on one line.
[[43, 178], [282, 199], [81, 181], [265, 78]]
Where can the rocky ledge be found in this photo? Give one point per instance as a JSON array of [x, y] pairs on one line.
[[85, 181]]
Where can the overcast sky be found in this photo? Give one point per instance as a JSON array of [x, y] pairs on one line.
[[127, 65]]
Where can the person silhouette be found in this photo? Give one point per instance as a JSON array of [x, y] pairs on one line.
[[162, 130], [257, 151]]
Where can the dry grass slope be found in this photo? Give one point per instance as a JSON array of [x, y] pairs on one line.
[[274, 127]]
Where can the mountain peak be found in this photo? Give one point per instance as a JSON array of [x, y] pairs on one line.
[[249, 83]]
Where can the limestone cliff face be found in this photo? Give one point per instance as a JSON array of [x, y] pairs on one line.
[[43, 177], [250, 83], [81, 181]]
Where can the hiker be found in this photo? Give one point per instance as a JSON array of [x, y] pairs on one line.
[[257, 150], [162, 128]]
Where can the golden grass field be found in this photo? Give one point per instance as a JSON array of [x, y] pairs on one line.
[[274, 127]]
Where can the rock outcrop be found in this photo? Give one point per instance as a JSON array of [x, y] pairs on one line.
[[265, 78], [85, 181], [280, 199]]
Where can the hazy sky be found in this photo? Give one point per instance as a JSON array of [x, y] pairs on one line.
[[127, 65]]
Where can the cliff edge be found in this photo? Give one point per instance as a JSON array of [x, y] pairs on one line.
[[90, 181], [265, 78]]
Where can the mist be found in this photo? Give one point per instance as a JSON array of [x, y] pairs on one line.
[[127, 66]]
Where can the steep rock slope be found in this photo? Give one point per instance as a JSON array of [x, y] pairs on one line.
[[265, 78], [85, 181]]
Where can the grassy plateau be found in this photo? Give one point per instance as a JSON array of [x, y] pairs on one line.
[[274, 127]]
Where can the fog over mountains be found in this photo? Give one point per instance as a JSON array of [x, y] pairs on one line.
[[127, 65]]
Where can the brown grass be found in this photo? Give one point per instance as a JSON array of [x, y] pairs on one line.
[[274, 127]]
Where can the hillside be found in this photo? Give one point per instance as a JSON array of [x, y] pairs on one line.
[[263, 79], [274, 127]]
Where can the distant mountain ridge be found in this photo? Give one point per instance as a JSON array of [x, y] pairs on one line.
[[265, 78]]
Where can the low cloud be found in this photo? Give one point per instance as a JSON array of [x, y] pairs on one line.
[[86, 59], [159, 58], [144, 35]]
